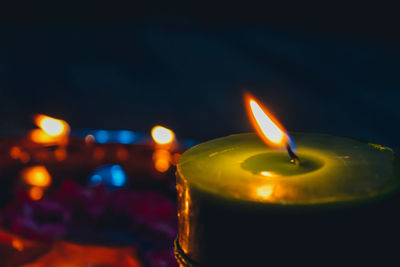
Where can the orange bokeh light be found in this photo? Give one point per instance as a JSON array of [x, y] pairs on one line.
[[175, 158], [98, 153], [122, 153], [60, 154], [266, 125], [24, 157], [64, 254], [40, 137], [15, 152], [162, 160], [161, 165], [36, 193], [36, 176], [17, 244], [52, 130]]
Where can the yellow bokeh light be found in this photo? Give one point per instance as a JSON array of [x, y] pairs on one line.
[[51, 126], [162, 135], [36, 176]]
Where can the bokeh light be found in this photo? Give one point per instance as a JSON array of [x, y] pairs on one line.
[[36, 193], [102, 136], [36, 176], [162, 135], [118, 177], [162, 160], [126, 137], [51, 126], [111, 175]]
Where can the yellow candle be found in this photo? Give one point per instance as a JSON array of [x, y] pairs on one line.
[[220, 181], [242, 203]]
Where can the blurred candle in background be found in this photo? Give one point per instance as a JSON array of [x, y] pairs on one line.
[[164, 139], [51, 131]]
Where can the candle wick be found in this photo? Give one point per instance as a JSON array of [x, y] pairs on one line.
[[293, 157]]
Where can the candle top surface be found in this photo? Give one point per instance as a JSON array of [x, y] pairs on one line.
[[331, 169]]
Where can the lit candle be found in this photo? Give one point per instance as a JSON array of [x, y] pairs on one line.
[[243, 203]]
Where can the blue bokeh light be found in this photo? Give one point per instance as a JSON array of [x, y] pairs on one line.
[[126, 137], [96, 179], [118, 177], [113, 176], [102, 136]]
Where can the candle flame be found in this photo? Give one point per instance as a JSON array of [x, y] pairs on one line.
[[266, 125]]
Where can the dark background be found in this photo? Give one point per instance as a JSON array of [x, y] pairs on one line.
[[333, 69]]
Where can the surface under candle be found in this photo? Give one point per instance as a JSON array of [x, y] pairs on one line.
[[221, 181]]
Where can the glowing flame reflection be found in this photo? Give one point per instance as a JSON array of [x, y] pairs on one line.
[[265, 191]]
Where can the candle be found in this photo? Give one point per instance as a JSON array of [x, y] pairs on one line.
[[242, 203]]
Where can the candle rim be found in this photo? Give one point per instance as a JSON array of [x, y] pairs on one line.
[[392, 186]]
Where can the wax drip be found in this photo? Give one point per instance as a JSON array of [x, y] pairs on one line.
[[293, 157]]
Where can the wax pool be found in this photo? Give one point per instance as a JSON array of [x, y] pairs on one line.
[[238, 197]]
